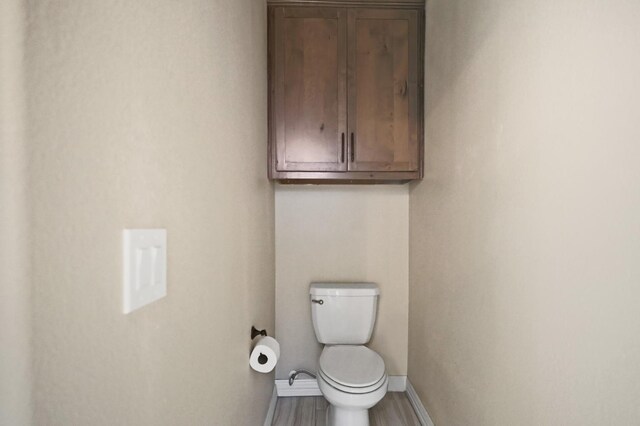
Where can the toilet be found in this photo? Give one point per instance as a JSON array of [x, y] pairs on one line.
[[351, 377]]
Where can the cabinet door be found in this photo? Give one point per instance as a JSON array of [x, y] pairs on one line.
[[383, 90], [310, 89]]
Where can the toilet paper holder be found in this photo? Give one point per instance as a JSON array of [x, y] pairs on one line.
[[255, 332]]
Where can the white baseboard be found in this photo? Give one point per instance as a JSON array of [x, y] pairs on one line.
[[301, 387], [272, 408], [309, 387], [397, 384], [418, 407]]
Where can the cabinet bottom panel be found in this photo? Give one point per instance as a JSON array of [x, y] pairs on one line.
[[344, 177]]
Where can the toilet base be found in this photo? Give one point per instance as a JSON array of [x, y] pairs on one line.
[[337, 416], [348, 409]]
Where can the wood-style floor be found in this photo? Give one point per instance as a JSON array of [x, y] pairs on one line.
[[394, 410]]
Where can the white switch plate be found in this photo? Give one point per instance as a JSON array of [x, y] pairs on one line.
[[145, 267]]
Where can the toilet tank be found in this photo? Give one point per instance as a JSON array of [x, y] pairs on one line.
[[343, 313]]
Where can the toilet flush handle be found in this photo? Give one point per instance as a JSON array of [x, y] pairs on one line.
[[318, 301]]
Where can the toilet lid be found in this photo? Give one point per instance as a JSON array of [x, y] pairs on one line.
[[353, 366]]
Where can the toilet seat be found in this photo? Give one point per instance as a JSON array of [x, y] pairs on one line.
[[352, 369], [352, 390]]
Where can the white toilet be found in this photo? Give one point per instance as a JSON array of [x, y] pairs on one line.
[[351, 376]]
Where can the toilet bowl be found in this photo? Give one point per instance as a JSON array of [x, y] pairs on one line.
[[352, 379]]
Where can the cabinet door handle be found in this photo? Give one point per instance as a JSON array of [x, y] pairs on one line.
[[353, 148], [342, 149]]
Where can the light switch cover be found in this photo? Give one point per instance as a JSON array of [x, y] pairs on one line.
[[145, 267]]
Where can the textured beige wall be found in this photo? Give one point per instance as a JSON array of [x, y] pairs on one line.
[[149, 114], [525, 233], [341, 233], [15, 329]]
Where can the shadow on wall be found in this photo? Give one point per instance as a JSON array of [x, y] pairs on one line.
[[15, 325], [446, 62]]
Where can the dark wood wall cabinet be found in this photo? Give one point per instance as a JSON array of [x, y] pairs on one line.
[[346, 91]]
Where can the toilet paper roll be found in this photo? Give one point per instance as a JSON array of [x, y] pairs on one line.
[[265, 354]]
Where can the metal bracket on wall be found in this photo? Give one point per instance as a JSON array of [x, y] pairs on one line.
[[255, 332]]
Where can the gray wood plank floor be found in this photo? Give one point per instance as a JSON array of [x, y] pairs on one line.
[[394, 410]]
